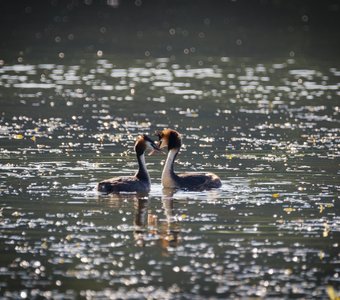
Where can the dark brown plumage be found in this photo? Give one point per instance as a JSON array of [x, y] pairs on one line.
[[140, 182]]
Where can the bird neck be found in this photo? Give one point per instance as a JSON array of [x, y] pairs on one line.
[[142, 173], [168, 170]]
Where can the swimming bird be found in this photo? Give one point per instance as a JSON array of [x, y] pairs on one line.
[[140, 182], [189, 181]]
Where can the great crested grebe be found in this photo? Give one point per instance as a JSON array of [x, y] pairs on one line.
[[191, 180], [140, 182]]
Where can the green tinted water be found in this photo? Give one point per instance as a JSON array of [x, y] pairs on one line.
[[253, 88], [269, 130]]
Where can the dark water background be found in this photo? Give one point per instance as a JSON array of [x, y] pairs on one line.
[[254, 88]]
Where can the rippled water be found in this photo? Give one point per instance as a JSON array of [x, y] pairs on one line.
[[269, 130]]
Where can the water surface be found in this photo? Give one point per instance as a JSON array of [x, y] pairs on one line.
[[270, 130]]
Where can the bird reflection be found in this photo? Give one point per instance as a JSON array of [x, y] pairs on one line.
[[140, 221], [149, 227], [116, 200], [170, 229]]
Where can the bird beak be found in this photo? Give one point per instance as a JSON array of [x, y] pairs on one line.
[[154, 149], [162, 144]]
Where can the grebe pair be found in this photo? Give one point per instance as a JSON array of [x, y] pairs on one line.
[[141, 182]]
